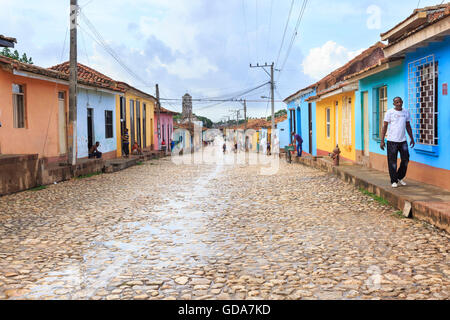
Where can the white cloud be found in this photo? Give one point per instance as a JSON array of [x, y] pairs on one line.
[[323, 60]]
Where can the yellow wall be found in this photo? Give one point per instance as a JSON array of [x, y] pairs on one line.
[[326, 144], [150, 106]]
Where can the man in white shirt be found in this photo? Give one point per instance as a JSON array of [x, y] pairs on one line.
[[398, 119]]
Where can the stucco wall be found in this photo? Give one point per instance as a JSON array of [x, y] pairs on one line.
[[441, 50], [165, 120], [99, 101], [40, 135], [328, 144]]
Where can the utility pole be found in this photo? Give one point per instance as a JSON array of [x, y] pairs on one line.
[[245, 115], [158, 106], [272, 88], [73, 78]]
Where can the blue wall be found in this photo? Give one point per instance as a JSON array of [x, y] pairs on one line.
[[99, 101], [283, 131], [302, 118], [393, 79], [441, 157]]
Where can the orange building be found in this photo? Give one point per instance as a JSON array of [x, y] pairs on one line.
[[33, 110]]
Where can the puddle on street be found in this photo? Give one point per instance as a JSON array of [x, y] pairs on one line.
[[174, 233]]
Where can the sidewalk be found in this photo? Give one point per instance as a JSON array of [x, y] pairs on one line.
[[424, 202]]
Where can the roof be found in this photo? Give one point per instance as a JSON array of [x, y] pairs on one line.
[[89, 76], [126, 87], [164, 110], [21, 66], [2, 37], [258, 124], [419, 19], [300, 91], [381, 62]]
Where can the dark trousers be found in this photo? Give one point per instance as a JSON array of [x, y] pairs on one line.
[[96, 154], [299, 150], [126, 148], [393, 148]]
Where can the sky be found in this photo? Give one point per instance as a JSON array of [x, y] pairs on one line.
[[205, 47]]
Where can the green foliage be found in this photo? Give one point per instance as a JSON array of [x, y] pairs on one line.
[[278, 114], [89, 175], [39, 188], [15, 55], [375, 197]]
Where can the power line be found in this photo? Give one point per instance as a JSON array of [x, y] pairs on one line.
[[97, 37], [285, 29], [294, 35]]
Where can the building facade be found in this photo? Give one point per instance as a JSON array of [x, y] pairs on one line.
[[135, 112]]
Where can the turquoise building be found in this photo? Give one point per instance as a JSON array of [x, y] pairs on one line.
[[302, 118]]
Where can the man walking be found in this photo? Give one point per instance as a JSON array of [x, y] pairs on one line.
[[398, 119], [299, 141]]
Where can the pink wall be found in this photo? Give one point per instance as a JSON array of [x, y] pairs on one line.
[[166, 123]]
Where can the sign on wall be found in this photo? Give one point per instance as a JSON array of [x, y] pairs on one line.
[[445, 89]]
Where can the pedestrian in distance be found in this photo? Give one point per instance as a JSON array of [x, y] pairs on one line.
[[299, 141], [397, 120], [93, 151], [126, 143]]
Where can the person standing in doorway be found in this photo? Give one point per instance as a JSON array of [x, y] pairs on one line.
[[397, 120], [126, 143]]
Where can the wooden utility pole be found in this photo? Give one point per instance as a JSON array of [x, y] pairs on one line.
[[272, 88], [245, 115], [158, 106], [73, 78]]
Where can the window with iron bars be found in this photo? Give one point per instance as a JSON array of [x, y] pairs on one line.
[[379, 110], [422, 95]]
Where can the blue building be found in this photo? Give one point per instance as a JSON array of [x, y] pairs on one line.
[[378, 86], [96, 111], [423, 41], [302, 118]]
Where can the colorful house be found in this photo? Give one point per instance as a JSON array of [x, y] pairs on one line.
[[96, 110], [166, 121], [378, 86], [302, 118], [135, 112], [423, 41], [33, 112], [335, 105]]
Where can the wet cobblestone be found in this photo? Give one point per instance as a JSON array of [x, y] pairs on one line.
[[166, 231]]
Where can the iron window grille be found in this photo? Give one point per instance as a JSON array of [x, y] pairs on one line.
[[379, 111], [422, 95], [108, 124]]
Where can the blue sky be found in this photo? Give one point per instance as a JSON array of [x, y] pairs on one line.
[[204, 47]]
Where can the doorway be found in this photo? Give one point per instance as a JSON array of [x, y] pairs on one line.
[[310, 129], [90, 127], [62, 122], [365, 111]]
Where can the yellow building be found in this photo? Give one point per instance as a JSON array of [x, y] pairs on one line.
[[335, 122], [135, 111]]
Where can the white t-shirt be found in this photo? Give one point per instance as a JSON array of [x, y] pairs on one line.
[[397, 124]]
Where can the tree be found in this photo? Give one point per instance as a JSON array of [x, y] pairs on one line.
[[15, 55], [278, 114]]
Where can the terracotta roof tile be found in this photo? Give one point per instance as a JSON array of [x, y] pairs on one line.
[[434, 15], [89, 76]]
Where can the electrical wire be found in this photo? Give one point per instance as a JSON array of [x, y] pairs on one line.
[[294, 35], [284, 33]]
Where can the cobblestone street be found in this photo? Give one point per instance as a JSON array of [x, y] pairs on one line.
[[166, 231]]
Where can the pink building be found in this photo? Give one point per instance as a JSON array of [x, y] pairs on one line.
[[166, 119]]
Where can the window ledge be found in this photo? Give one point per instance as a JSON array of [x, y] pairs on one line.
[[427, 150]]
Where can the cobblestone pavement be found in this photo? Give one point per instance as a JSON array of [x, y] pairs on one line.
[[166, 231]]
